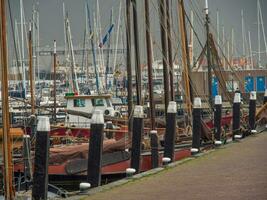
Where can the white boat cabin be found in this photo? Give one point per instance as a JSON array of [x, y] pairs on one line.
[[81, 107]]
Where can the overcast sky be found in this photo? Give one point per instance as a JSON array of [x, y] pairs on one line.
[[51, 17]]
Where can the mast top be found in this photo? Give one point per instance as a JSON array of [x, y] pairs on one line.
[[55, 47], [206, 7]]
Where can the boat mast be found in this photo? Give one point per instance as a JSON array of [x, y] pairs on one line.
[[224, 48], [32, 84], [116, 47], [191, 43], [108, 53], [7, 151], [149, 65], [185, 60], [232, 47], [170, 49], [137, 54], [259, 35], [250, 51], [93, 47], [218, 27], [22, 48], [55, 83], [243, 33], [208, 53], [263, 30], [129, 65], [163, 25]]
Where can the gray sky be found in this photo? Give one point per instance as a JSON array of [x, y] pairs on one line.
[[51, 18]]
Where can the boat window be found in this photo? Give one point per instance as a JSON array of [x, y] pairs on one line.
[[98, 102], [108, 103], [79, 102]]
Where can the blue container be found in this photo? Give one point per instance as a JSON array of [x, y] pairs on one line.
[[215, 87], [260, 83], [249, 84]]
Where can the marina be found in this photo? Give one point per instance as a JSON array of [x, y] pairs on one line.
[[150, 86]]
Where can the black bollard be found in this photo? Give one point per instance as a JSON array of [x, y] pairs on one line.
[[138, 129], [40, 175], [252, 112], [170, 130], [95, 149], [109, 126], [236, 117], [265, 97], [154, 143], [27, 159], [196, 126], [218, 120]]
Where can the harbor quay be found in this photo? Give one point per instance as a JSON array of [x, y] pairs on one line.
[[234, 171]]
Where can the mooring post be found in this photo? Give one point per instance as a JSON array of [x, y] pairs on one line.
[[138, 129], [170, 130], [95, 149], [265, 97], [236, 117], [109, 126], [27, 158], [218, 119], [252, 111], [196, 126], [154, 143], [40, 175]]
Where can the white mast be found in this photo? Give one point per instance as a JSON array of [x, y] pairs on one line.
[[98, 19], [18, 45], [192, 39], [218, 27], [263, 30], [250, 51], [243, 33], [232, 47], [117, 39], [228, 54], [224, 46], [22, 47], [38, 45], [259, 35]]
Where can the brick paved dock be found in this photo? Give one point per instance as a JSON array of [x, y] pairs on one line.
[[236, 171]]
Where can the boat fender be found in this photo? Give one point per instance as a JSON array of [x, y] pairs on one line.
[[166, 160], [130, 171], [84, 186]]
